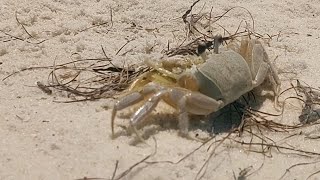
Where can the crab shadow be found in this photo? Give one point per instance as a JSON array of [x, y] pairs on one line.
[[232, 115]]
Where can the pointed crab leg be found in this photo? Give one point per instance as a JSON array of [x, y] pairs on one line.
[[131, 99], [124, 102]]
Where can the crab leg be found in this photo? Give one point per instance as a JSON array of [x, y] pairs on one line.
[[131, 99], [262, 72], [158, 67], [190, 102], [195, 103], [126, 101], [146, 109]]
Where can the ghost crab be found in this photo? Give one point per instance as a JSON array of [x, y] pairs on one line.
[[204, 88]]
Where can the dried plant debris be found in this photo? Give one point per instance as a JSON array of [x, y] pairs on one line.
[[93, 78], [205, 24], [88, 79], [191, 48], [243, 174], [298, 165], [29, 39], [44, 88]]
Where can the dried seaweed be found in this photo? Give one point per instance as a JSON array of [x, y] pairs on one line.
[[297, 165], [93, 78], [10, 37], [88, 79]]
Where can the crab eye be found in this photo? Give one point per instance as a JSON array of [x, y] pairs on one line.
[[201, 48]]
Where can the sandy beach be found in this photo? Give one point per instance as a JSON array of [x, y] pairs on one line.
[[42, 138]]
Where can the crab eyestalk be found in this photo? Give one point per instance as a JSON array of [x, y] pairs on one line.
[[217, 40]]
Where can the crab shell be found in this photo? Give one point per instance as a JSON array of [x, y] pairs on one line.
[[228, 75], [225, 76]]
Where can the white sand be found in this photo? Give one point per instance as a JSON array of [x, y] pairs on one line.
[[41, 139]]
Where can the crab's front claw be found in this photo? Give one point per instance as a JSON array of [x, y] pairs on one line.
[[124, 102]]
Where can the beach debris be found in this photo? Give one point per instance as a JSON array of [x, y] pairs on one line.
[[44, 88], [309, 115], [311, 110], [200, 89], [94, 78], [243, 173]]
